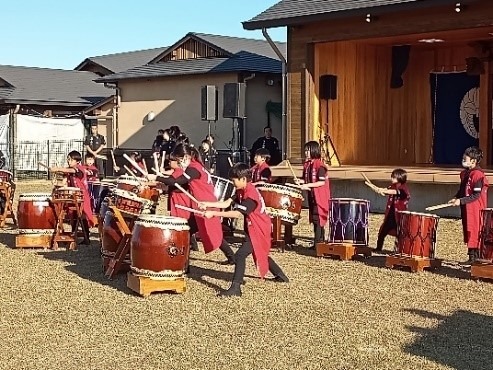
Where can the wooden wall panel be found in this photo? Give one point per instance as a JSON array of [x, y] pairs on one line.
[[370, 123]]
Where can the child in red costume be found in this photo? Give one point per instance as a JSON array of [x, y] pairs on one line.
[[261, 171], [316, 181], [76, 177], [201, 187], [90, 169], [472, 197], [250, 204], [397, 202]]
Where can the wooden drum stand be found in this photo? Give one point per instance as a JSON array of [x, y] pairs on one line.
[[115, 264], [7, 191], [68, 210]]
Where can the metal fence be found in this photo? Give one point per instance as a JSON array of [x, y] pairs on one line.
[[28, 155]]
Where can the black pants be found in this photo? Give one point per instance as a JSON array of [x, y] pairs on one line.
[[228, 252], [100, 166], [3, 204], [319, 233], [388, 225], [240, 257]]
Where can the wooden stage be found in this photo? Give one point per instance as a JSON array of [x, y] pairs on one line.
[[425, 174]]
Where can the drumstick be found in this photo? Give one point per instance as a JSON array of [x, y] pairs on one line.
[[134, 164], [179, 187], [230, 162], [158, 172], [145, 166], [156, 162], [189, 209], [162, 159], [43, 165], [113, 157], [131, 172], [439, 206], [292, 170]]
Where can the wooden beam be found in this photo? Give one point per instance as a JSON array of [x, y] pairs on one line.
[[485, 114]]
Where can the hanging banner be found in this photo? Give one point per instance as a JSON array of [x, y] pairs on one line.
[[455, 114]]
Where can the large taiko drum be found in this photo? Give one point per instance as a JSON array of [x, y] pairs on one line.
[[486, 245], [160, 246], [348, 221], [283, 201], [36, 214], [111, 237], [416, 234], [223, 188]]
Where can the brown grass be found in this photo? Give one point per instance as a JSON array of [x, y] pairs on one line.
[[57, 311]]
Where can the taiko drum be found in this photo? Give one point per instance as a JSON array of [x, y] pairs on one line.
[[142, 188], [160, 246], [283, 201], [348, 221], [486, 245], [416, 234], [36, 214]]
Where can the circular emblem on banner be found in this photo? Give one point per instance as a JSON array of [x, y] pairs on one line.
[[469, 112]]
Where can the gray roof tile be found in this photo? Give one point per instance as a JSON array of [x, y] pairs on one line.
[[287, 12], [122, 61], [241, 62], [45, 86]]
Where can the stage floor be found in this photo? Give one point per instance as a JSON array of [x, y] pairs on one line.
[[440, 175]]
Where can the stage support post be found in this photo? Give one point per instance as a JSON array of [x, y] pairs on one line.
[[485, 114]]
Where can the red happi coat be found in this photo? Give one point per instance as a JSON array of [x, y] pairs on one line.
[[399, 204], [322, 193], [91, 172], [74, 181], [257, 171], [210, 229], [177, 197], [471, 212], [259, 226]]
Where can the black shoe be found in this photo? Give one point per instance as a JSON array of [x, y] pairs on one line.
[[193, 244], [281, 279], [378, 250], [228, 262], [233, 291]]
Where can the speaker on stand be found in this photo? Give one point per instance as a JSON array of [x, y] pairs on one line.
[[209, 104], [235, 108]]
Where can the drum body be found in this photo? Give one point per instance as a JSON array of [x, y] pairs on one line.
[[283, 201], [94, 188], [486, 245], [36, 214], [348, 221], [143, 189], [223, 188], [105, 204], [129, 202], [160, 246], [416, 234], [111, 237]]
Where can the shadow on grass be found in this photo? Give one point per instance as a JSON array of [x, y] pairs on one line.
[[460, 341]]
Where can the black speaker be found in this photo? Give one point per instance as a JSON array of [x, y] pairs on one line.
[[400, 60], [328, 87], [234, 100], [209, 103]]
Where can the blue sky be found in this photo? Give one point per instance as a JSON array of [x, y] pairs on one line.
[[60, 34]]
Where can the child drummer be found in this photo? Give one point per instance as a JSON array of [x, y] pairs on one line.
[[397, 201], [90, 169], [261, 172], [248, 203], [316, 181], [472, 197], [76, 177]]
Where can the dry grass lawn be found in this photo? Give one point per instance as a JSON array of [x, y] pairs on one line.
[[58, 311]]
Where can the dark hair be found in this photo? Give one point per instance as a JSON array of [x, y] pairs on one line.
[[264, 153], [75, 155], [90, 155], [160, 131], [184, 149], [313, 147], [267, 127], [206, 142], [174, 133], [474, 152], [209, 136], [240, 170], [182, 139], [400, 175]]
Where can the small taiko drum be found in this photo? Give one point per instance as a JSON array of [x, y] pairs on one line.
[[223, 188], [6, 176], [283, 201], [486, 245], [416, 234], [129, 202], [143, 188], [36, 214], [67, 193], [348, 221], [160, 246]]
